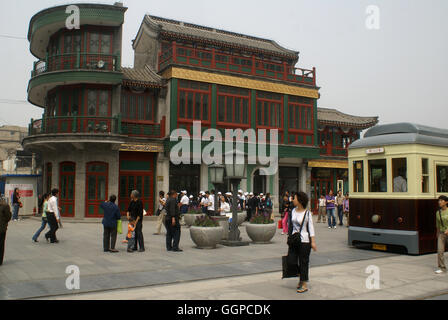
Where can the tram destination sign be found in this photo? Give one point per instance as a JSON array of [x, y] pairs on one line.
[[375, 151]]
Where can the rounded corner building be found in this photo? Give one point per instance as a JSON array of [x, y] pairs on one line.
[[105, 129]]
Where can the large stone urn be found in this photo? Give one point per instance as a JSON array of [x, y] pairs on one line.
[[241, 217], [190, 218], [261, 233], [206, 237]]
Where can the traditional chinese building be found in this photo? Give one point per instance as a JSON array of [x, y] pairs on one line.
[[105, 128]]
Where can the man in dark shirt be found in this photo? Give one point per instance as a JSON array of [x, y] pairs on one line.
[[111, 216], [5, 217], [172, 223], [136, 210]]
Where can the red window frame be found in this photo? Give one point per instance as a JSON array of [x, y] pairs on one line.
[[194, 91], [270, 102], [234, 96], [97, 89], [125, 109], [298, 107]]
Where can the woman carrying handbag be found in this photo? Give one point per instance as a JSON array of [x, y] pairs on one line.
[[301, 237]]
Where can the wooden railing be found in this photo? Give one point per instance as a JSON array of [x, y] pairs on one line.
[[73, 61], [96, 125], [212, 59]]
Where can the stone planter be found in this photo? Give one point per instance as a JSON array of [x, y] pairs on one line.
[[190, 218], [261, 233], [206, 237], [241, 217]]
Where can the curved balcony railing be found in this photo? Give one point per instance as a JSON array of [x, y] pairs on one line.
[[96, 125], [176, 54], [74, 61]]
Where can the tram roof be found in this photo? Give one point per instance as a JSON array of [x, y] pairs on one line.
[[402, 133]]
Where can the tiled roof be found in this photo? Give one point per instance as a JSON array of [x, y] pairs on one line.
[[143, 77], [216, 35], [333, 116]]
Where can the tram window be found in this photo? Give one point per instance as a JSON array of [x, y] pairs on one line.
[[442, 178], [358, 176], [425, 176], [377, 176], [399, 171]]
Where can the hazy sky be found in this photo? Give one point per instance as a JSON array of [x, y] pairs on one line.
[[398, 72]]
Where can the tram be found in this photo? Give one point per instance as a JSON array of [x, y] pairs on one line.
[[396, 173]]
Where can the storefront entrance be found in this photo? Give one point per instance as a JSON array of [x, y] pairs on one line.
[[321, 184], [136, 173], [96, 188]]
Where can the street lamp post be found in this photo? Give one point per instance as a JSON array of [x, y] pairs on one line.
[[235, 172]]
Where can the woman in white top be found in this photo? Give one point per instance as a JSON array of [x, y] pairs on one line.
[[224, 210], [301, 221]]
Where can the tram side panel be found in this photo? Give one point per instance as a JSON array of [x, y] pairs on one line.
[[401, 222]]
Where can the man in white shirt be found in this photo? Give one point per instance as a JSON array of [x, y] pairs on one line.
[[211, 203], [204, 202], [184, 202], [53, 216], [400, 183]]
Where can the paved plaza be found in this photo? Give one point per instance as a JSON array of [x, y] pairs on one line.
[[37, 270]]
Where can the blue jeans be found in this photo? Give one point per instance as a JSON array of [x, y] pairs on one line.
[[331, 217], [15, 211], [42, 228], [341, 215]]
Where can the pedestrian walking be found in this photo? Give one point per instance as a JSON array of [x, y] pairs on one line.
[[135, 210], [269, 206], [442, 233], [172, 223], [204, 202], [322, 209], [340, 206], [53, 217], [45, 198], [330, 203], [347, 208], [301, 238], [111, 217], [5, 217], [161, 212], [285, 213], [16, 204]]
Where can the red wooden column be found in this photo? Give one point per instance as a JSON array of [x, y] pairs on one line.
[[285, 67], [314, 76], [213, 59], [253, 64]]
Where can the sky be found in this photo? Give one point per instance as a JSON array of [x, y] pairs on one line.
[[396, 71]]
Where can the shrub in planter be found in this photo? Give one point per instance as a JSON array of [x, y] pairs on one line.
[[206, 232], [261, 228], [191, 216]]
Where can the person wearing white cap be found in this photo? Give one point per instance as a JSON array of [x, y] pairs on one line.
[[204, 202], [184, 202]]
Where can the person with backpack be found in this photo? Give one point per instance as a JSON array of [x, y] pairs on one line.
[[442, 233], [301, 237]]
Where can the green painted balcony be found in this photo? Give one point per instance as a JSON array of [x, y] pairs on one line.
[[216, 60], [49, 21]]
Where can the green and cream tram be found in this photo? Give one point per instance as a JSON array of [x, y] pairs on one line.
[[396, 173]]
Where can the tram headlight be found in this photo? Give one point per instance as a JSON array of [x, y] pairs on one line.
[[376, 218], [400, 220]]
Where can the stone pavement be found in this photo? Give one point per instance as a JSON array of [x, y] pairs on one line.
[[38, 270], [401, 277]]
